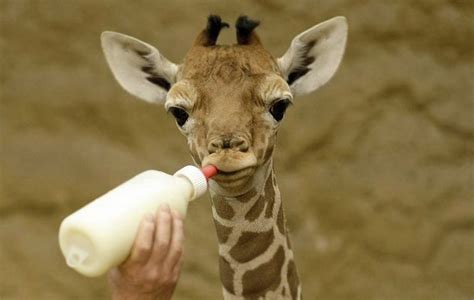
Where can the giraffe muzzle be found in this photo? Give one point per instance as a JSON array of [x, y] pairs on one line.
[[229, 161]]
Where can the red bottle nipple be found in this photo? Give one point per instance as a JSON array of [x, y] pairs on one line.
[[209, 171]]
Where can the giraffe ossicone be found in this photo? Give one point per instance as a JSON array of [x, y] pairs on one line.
[[229, 101]]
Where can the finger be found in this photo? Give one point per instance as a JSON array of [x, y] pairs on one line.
[[177, 268], [177, 242], [143, 245], [162, 235]]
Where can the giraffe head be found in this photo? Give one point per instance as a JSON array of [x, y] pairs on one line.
[[229, 100]]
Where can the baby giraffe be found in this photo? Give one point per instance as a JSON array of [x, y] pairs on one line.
[[229, 101]]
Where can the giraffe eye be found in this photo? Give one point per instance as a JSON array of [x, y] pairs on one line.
[[278, 109], [179, 114]]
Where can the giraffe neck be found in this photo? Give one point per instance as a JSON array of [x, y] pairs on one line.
[[255, 256]]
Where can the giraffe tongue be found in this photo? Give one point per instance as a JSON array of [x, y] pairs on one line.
[[209, 171]]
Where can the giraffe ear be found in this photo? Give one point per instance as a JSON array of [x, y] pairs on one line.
[[314, 55], [139, 67]]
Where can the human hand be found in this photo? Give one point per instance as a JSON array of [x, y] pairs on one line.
[[153, 267]]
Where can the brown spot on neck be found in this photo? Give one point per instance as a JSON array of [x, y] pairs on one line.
[[267, 197], [223, 209], [269, 209], [247, 196], [222, 231], [227, 274], [288, 242], [281, 220], [251, 245], [256, 210], [293, 279], [268, 153], [258, 282], [270, 195]]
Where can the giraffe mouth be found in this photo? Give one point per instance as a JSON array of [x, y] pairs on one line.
[[235, 179], [235, 167], [228, 161], [235, 175]]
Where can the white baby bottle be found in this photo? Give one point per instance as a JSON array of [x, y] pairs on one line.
[[100, 235]]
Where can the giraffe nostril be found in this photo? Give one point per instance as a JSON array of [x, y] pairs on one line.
[[213, 146], [239, 144], [226, 144]]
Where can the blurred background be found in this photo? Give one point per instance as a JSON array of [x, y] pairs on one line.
[[375, 168]]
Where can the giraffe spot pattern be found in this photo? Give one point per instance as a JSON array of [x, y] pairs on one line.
[[269, 209], [222, 231], [255, 211], [251, 245], [293, 280], [223, 209], [227, 274], [268, 153], [264, 278], [281, 220], [247, 196], [288, 242], [270, 196]]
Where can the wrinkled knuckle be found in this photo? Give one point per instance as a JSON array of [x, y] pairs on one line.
[[143, 248], [128, 272], [133, 278], [168, 280], [179, 251], [162, 244], [152, 275]]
